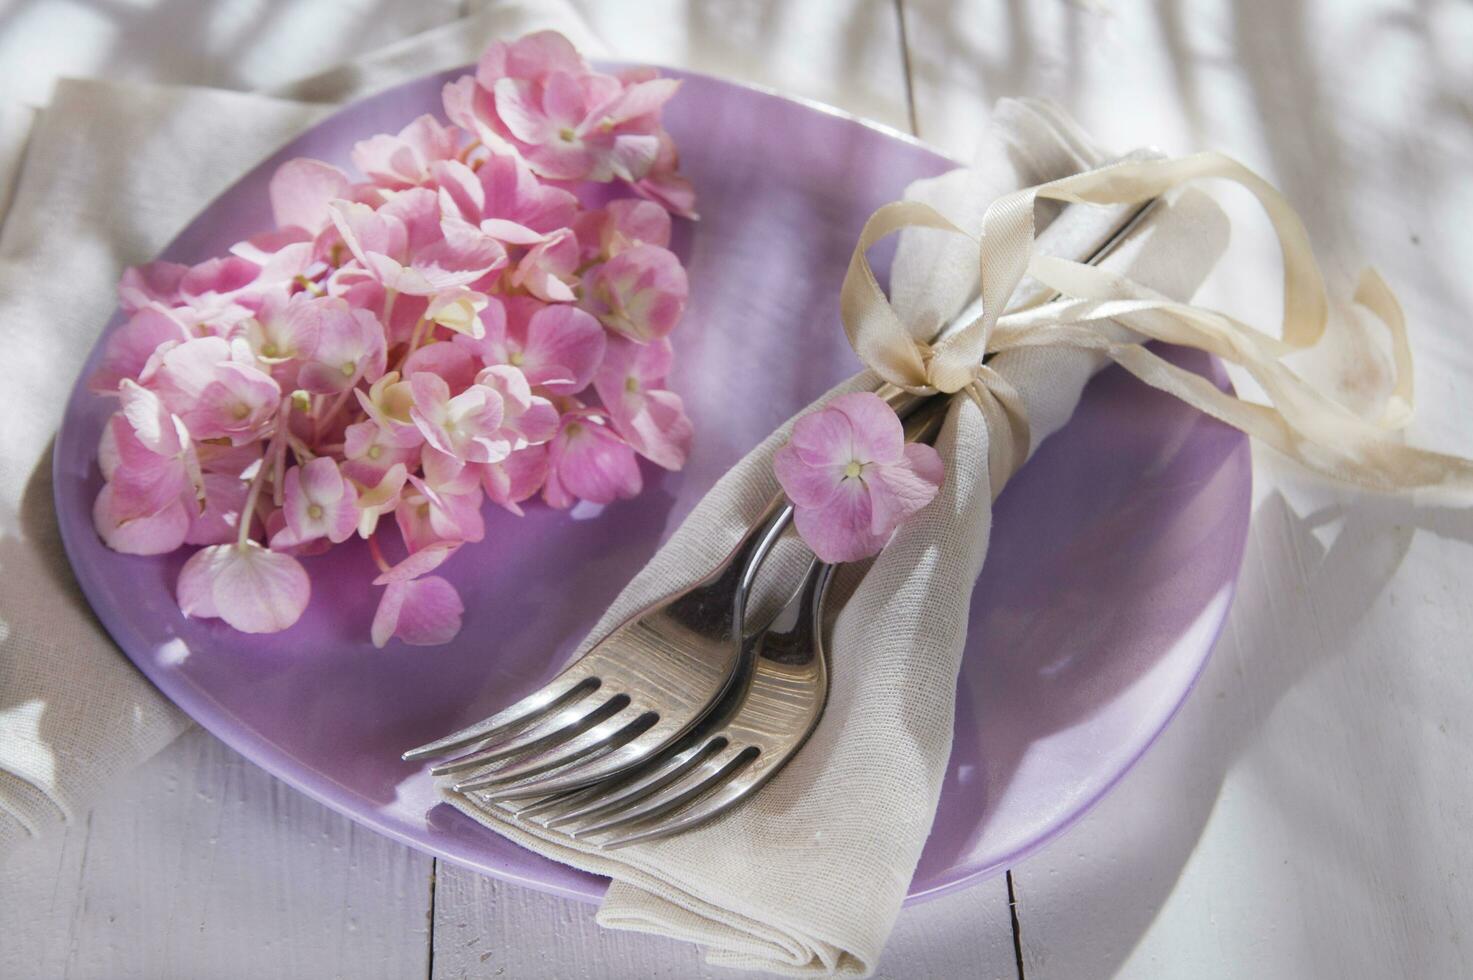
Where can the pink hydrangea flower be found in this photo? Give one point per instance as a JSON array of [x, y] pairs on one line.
[[516, 478], [567, 121], [153, 284], [403, 245], [130, 347], [151, 458], [302, 189], [347, 347], [215, 388], [217, 279], [320, 503], [466, 426], [377, 499], [505, 199], [853, 478], [428, 515], [284, 334], [405, 160], [548, 269], [418, 608], [665, 185], [587, 460], [389, 404], [454, 363], [370, 451], [651, 419], [558, 347], [621, 225], [413, 339], [639, 293], [527, 419]]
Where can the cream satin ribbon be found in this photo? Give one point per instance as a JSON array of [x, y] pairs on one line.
[[1301, 421]]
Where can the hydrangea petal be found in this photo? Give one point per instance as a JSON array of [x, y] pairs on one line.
[[840, 530], [878, 436], [301, 190], [251, 588], [157, 533]]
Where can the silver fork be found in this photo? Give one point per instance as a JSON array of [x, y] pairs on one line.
[[656, 675], [637, 689], [746, 740]]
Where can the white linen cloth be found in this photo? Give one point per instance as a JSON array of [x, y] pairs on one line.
[[111, 173], [808, 877]]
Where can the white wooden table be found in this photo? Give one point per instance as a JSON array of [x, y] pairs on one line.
[[1309, 813]]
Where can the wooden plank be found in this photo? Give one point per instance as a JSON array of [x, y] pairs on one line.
[[487, 928], [203, 865], [1307, 813]]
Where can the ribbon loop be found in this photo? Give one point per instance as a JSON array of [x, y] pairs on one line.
[[1300, 421]]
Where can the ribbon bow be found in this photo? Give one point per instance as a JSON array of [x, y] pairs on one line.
[[1300, 421]]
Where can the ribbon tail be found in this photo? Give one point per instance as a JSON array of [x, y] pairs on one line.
[[1363, 456]]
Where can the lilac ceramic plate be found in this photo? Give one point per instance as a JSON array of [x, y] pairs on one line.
[[1112, 564]]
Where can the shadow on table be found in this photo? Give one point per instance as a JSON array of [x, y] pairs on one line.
[[1299, 602]]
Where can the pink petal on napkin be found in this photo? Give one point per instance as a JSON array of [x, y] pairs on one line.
[[852, 478]]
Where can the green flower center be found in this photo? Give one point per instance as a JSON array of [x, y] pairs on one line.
[[315, 512], [854, 468]]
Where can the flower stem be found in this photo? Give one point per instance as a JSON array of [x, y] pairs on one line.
[[324, 420], [377, 553], [270, 462], [414, 340], [278, 465], [389, 296], [301, 451]]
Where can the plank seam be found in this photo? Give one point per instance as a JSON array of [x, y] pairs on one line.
[[430, 945], [910, 95], [1017, 930]]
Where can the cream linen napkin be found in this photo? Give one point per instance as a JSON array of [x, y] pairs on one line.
[[110, 174], [807, 878]]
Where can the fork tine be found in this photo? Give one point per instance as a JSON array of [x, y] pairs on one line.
[[713, 772], [597, 801], [558, 693], [553, 802], [610, 764], [714, 804], [618, 728], [566, 724]]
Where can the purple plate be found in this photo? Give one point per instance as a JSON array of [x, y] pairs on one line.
[[1112, 566]]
